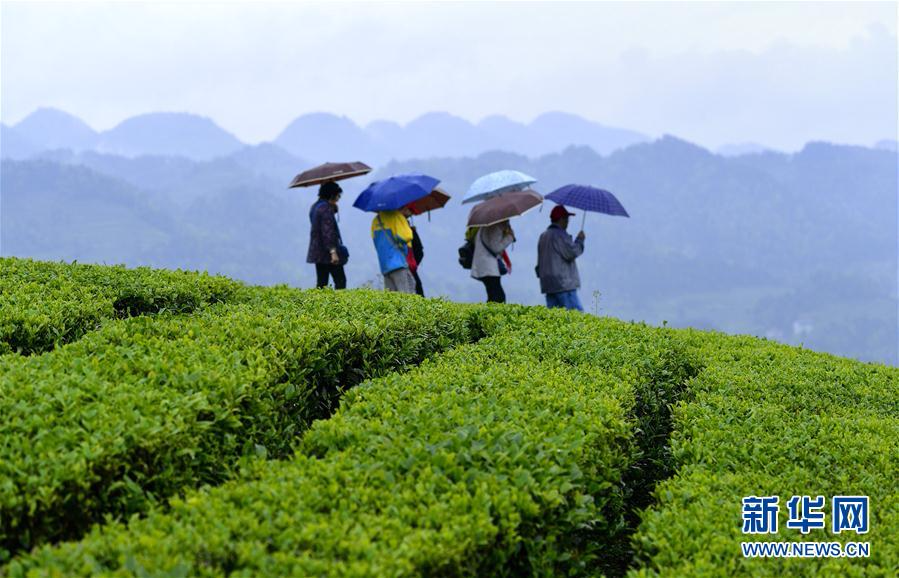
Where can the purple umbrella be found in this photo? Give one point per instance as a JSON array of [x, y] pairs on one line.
[[588, 198]]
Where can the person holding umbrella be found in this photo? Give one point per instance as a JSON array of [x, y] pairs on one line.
[[326, 249], [390, 200], [490, 261], [504, 194], [392, 236], [556, 267], [490, 219], [556, 251]]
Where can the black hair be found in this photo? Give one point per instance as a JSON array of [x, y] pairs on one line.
[[329, 190]]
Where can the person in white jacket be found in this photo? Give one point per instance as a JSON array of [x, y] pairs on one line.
[[487, 264]]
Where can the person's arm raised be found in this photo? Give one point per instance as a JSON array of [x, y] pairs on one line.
[[567, 248]]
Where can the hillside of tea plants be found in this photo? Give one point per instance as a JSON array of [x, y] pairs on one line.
[[168, 423]]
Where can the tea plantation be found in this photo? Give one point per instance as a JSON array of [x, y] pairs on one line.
[[160, 423]]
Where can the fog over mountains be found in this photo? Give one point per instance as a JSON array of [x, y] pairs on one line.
[[797, 247], [315, 137], [176, 134], [319, 137]]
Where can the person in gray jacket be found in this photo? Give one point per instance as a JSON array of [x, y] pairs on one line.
[[489, 259], [556, 253]]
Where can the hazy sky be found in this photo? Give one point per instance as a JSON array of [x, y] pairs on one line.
[[779, 74]]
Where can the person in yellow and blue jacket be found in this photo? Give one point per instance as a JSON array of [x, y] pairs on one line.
[[392, 236]]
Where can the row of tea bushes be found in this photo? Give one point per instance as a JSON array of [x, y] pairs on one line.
[[504, 457], [417, 472], [768, 420], [146, 406], [522, 454], [45, 304]]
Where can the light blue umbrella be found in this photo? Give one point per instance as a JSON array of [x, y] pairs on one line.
[[497, 183]]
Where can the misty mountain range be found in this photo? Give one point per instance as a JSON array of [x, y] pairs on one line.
[[315, 137], [796, 247], [318, 137]]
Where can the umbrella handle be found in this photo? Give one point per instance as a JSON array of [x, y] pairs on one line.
[[583, 220]]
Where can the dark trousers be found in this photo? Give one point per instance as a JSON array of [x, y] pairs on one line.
[[495, 293], [322, 270], [418, 288]]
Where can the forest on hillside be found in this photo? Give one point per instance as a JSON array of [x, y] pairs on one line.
[[800, 247]]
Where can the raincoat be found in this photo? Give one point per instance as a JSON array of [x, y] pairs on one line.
[[392, 236]]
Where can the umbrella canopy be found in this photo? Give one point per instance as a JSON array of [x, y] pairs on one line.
[[500, 208], [496, 183], [395, 192], [329, 172], [434, 200], [588, 199]]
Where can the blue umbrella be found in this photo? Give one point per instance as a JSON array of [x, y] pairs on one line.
[[497, 183], [395, 192], [588, 198]]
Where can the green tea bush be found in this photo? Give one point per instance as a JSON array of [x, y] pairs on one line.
[[766, 420], [465, 467], [45, 304], [145, 406], [535, 451], [505, 457]]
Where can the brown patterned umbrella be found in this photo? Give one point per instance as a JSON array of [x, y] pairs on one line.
[[435, 200], [503, 207], [329, 172]]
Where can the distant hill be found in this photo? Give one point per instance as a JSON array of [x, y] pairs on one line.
[[386, 135], [53, 211], [746, 148], [270, 161], [888, 145], [795, 247], [553, 131], [15, 146], [322, 137], [231, 220], [49, 128], [180, 180], [319, 137], [440, 134], [507, 135], [171, 134]]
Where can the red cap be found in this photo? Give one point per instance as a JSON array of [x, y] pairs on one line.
[[558, 212]]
